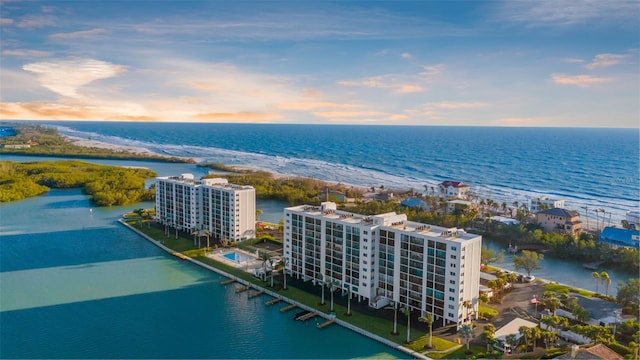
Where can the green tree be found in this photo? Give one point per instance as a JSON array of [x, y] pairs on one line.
[[283, 263], [488, 336], [629, 293], [466, 333], [526, 333], [489, 256], [428, 318], [596, 279], [606, 280], [407, 312], [528, 261]]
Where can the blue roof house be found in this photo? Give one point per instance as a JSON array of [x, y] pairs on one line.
[[620, 237], [414, 202]]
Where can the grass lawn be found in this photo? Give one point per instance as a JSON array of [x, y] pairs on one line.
[[487, 312], [437, 344], [559, 288]]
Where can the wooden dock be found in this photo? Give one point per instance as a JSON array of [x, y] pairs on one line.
[[273, 301], [288, 307], [256, 294], [242, 288], [179, 255], [228, 281], [310, 315], [326, 323]]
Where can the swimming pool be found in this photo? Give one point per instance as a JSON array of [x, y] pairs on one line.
[[237, 257]]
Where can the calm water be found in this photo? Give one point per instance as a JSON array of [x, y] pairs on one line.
[[75, 284]]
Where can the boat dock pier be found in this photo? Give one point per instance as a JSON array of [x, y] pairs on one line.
[[257, 293], [288, 307], [273, 301], [326, 323], [242, 288], [308, 316], [228, 281]]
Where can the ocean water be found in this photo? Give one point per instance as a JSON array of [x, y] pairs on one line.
[[596, 168], [76, 284]]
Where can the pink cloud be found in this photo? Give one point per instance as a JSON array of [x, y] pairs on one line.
[[578, 80], [605, 60]]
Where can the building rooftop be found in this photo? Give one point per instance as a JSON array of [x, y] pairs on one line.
[[513, 327], [559, 212], [620, 236], [598, 351], [455, 184]]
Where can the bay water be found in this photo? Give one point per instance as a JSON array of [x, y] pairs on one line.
[[76, 284]]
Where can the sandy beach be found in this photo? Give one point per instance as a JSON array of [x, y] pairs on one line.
[[101, 145]]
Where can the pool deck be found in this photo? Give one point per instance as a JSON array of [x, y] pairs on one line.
[[248, 265]]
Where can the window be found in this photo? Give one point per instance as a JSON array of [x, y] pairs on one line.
[[452, 273], [451, 298], [453, 257], [452, 290], [454, 248], [453, 282]]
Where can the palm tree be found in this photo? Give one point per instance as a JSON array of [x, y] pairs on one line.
[[536, 333], [270, 261], [604, 277], [467, 305], [349, 301], [258, 213], [407, 311], [394, 306], [552, 303], [321, 280], [488, 335], [331, 287], [264, 256], [512, 341], [284, 262], [466, 332], [526, 332], [428, 318], [596, 279]]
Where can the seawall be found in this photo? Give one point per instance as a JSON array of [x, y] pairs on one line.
[[342, 323]]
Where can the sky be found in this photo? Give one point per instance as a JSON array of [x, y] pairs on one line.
[[544, 63]]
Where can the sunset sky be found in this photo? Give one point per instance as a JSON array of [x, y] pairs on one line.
[[482, 63]]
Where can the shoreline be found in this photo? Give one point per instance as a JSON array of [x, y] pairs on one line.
[[342, 323]]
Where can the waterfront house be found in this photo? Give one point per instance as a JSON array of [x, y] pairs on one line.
[[454, 189], [385, 258], [458, 206], [511, 328], [544, 203], [560, 221], [620, 237], [601, 312], [591, 352], [227, 211]]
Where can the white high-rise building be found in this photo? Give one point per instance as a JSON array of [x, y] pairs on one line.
[[386, 259], [227, 211]]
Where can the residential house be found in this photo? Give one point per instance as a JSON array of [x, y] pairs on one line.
[[595, 352], [620, 237], [454, 189], [459, 206], [543, 203], [559, 220]]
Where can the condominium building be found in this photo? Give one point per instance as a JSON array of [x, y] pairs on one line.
[[227, 211], [385, 259]]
